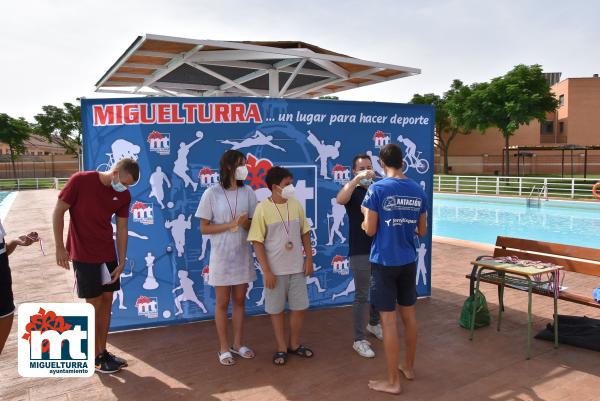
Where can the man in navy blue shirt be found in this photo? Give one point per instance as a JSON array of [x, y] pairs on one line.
[[394, 209], [352, 196]]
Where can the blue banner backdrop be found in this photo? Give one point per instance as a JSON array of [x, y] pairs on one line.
[[178, 143]]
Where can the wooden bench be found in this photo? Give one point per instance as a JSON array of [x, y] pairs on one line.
[[575, 259]]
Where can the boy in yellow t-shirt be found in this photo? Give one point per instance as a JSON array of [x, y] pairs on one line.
[[278, 232]]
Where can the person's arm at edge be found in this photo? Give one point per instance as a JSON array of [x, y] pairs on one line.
[[121, 239], [261, 255], [369, 224], [422, 225], [308, 261], [208, 228], [23, 240], [347, 190], [58, 225]]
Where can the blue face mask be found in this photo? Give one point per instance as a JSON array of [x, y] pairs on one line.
[[118, 186]]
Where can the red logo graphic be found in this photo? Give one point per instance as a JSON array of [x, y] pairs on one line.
[[338, 259], [379, 134], [44, 321], [205, 273], [147, 306], [341, 174], [381, 139], [208, 177], [138, 205], [142, 212], [340, 265], [159, 142], [155, 135], [142, 300], [257, 170]]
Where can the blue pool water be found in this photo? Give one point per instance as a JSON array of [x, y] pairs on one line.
[[482, 218], [6, 199]]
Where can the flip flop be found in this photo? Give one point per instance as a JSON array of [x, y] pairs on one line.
[[243, 352], [224, 357], [282, 356], [302, 351]]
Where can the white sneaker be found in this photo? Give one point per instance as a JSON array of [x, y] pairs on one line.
[[377, 331], [363, 348]]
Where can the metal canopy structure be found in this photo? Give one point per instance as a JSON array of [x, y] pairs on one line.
[[157, 65], [522, 152]]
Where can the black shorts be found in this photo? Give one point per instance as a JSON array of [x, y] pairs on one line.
[[7, 303], [89, 279], [393, 285]]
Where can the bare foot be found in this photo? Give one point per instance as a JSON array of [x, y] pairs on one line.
[[385, 386], [408, 373]]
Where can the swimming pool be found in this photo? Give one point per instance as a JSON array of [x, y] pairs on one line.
[[6, 200], [482, 218]]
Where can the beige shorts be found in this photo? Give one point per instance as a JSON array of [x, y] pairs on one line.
[[290, 288]]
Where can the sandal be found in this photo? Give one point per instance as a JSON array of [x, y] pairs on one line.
[[281, 356], [243, 351], [226, 358], [302, 351]]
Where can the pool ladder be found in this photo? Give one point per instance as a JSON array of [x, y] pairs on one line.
[[535, 196]]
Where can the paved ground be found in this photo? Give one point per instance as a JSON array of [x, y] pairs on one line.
[[180, 362]]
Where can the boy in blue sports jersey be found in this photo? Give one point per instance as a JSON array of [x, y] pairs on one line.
[[394, 209]]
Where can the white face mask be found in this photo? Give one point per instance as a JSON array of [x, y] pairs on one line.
[[365, 182], [118, 186], [288, 192], [241, 173]]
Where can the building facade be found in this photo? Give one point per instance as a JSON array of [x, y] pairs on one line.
[[576, 121]]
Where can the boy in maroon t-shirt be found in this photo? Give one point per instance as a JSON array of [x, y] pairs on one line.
[[91, 199]]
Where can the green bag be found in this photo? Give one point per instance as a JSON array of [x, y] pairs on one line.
[[482, 313]]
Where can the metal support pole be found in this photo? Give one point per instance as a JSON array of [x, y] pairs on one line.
[[571, 163], [529, 318], [556, 290], [273, 83], [501, 298]]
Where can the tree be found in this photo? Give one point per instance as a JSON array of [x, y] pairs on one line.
[[507, 102], [14, 132], [442, 122], [61, 125], [461, 116]]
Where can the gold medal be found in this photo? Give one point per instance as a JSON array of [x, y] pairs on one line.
[[289, 245]]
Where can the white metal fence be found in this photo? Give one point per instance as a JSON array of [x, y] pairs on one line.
[[547, 187], [573, 188], [21, 184]]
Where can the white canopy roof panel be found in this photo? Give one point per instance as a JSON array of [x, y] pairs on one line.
[[162, 65]]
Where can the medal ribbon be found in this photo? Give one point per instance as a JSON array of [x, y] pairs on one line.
[[38, 239], [232, 211], [287, 228]]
